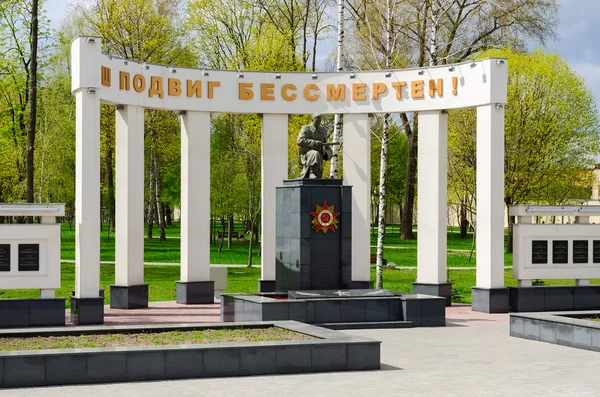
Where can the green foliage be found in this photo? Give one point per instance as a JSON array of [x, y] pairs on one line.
[[551, 130], [551, 133], [396, 162]]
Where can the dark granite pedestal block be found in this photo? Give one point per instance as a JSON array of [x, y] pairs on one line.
[[195, 292], [266, 286], [129, 296], [362, 285], [20, 313], [554, 298], [87, 311], [443, 290], [46, 312], [490, 300], [313, 248]]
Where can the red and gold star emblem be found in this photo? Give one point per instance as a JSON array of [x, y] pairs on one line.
[[325, 218]]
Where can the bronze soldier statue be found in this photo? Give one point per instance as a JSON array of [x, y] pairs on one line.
[[313, 148]]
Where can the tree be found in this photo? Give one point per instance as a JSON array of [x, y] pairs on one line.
[[446, 31], [33, 70], [19, 38], [145, 31], [551, 132], [337, 129], [462, 133]]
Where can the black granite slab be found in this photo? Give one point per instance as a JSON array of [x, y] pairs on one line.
[[372, 311], [348, 293]]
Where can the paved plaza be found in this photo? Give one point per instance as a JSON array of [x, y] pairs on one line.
[[472, 356]]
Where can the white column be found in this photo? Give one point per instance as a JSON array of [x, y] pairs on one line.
[[357, 173], [87, 194], [432, 197], [274, 146], [129, 245], [195, 196], [490, 196]]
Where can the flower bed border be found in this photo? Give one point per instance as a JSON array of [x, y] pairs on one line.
[[560, 328], [332, 351]]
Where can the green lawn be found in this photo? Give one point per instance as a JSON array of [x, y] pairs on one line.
[[161, 279], [160, 251]]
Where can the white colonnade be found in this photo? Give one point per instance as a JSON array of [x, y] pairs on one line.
[[133, 87]]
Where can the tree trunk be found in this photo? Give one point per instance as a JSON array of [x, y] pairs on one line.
[[511, 223], [230, 231], [305, 36], [250, 244], [159, 204], [168, 215], [381, 210], [408, 200], [337, 129], [151, 201], [222, 235], [464, 222], [383, 158], [33, 66]]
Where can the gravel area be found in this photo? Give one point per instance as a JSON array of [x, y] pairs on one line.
[[149, 339]]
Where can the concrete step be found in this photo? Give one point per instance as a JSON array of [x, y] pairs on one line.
[[367, 325]]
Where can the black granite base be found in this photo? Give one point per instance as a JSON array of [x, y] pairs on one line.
[[444, 290], [129, 296], [21, 313], [419, 310], [327, 351], [571, 329], [554, 298], [87, 311], [307, 257], [195, 292], [266, 286], [490, 300], [362, 284]]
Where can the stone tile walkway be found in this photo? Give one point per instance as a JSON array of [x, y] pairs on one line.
[[472, 356], [160, 313]]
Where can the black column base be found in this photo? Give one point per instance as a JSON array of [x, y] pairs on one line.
[[87, 311], [443, 290], [362, 285], [489, 300], [266, 286], [129, 296], [195, 292]]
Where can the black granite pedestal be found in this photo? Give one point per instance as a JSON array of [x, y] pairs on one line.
[[22, 313], [313, 254], [444, 290], [266, 286], [489, 300], [195, 292], [129, 296], [554, 298], [87, 311]]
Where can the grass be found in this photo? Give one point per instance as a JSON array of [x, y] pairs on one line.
[[159, 251], [205, 336]]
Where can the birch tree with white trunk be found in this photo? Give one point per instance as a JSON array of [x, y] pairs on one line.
[[337, 129], [384, 156]]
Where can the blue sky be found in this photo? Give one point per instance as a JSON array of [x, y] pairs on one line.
[[578, 31]]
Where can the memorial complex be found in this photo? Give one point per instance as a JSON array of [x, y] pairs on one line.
[[315, 237], [195, 93]]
